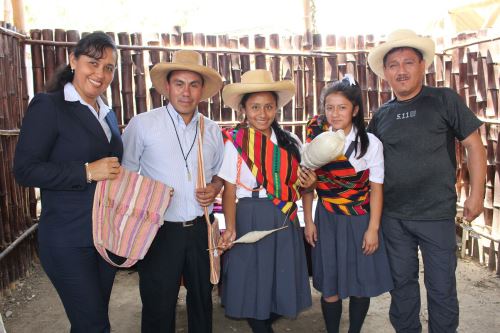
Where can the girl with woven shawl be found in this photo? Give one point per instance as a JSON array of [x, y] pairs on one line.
[[265, 280], [348, 255]]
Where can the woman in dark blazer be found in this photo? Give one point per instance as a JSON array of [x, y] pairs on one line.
[[69, 140]]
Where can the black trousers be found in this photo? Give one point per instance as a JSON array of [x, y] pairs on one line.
[[176, 251], [437, 243], [83, 281]]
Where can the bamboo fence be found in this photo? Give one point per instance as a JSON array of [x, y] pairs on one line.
[[470, 67], [17, 205]]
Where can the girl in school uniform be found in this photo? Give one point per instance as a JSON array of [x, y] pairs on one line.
[[265, 280], [348, 255]]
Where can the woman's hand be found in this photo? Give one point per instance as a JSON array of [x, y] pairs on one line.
[[370, 242], [227, 239], [311, 233], [105, 168], [307, 177]]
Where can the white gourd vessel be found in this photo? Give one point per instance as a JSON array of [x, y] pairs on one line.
[[323, 149]]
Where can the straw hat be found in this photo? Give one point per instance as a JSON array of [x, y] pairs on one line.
[[258, 80], [400, 38], [186, 60]]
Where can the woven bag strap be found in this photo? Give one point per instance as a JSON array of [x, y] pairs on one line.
[[201, 182]]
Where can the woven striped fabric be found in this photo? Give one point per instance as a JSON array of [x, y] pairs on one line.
[[273, 167], [213, 231], [340, 188], [127, 213]]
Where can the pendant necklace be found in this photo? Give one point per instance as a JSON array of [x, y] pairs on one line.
[[185, 157]]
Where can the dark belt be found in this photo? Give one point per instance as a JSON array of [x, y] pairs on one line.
[[196, 220]]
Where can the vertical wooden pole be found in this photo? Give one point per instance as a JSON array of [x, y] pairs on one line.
[[351, 57], [18, 14], [235, 73], [225, 72], [49, 54], [61, 57], [154, 57], [361, 71], [126, 76], [37, 62], [372, 83], [341, 57], [332, 59], [308, 25], [7, 11], [212, 61], [139, 75], [288, 74], [260, 45], [116, 102], [200, 41], [275, 61], [299, 83], [319, 69], [245, 58]]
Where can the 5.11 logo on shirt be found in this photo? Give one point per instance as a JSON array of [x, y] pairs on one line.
[[406, 115]]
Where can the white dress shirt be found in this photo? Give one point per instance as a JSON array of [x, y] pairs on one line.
[[152, 147], [373, 158]]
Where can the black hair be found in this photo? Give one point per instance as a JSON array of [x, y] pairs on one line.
[[353, 93], [285, 140], [92, 45], [396, 49]]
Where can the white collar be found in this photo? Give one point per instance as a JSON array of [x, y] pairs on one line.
[[71, 95], [352, 134], [180, 121]]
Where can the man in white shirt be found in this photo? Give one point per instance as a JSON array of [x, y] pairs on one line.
[[162, 144]]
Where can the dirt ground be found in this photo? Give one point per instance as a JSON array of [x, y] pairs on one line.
[[35, 307]]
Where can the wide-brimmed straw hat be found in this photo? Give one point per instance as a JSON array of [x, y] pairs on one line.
[[400, 38], [258, 80], [186, 60]]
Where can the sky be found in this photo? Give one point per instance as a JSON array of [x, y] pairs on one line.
[[237, 17]]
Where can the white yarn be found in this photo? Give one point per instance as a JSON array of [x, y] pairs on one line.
[[323, 149]]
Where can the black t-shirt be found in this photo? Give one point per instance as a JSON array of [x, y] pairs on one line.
[[419, 152]]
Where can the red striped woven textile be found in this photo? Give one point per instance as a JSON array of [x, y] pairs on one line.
[[127, 213], [273, 167], [340, 188]]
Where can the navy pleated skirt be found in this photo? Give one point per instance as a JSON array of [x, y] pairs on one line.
[[339, 265], [269, 276]]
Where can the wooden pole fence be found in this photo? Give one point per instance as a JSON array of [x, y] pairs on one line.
[[470, 66]]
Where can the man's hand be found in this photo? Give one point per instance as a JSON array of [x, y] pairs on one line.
[[206, 196], [473, 207], [476, 163]]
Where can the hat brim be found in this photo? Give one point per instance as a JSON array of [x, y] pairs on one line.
[[233, 93], [423, 44], [212, 81]]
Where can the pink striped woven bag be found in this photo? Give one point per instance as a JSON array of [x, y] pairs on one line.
[[127, 213]]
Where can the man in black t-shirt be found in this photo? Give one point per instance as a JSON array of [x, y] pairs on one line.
[[418, 129]]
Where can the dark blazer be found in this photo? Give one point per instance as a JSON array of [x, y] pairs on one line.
[[57, 138]]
